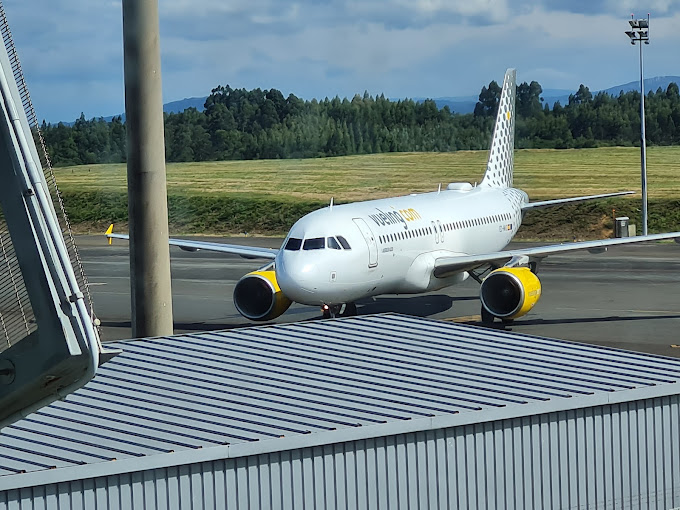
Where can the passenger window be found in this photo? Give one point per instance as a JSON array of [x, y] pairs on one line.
[[293, 244], [316, 243], [343, 242], [332, 244]]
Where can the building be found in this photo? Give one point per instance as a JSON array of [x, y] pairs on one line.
[[382, 411]]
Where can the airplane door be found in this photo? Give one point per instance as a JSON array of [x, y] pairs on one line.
[[441, 231], [370, 241]]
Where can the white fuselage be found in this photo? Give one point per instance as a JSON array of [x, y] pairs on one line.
[[390, 245]]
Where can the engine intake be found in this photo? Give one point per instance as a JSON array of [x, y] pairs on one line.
[[258, 297], [510, 292]]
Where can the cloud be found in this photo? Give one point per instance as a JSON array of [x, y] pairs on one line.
[[621, 8], [72, 51], [71, 54]]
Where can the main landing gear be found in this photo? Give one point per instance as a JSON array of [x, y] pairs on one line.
[[488, 318], [343, 310]]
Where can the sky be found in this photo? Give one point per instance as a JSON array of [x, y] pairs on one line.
[[71, 51]]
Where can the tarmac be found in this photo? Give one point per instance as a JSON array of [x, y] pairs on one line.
[[628, 297]]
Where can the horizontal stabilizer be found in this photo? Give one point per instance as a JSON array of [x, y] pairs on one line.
[[560, 201]]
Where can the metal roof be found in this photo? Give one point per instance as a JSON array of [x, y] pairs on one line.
[[198, 397]]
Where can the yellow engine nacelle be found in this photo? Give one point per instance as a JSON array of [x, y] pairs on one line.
[[510, 292], [258, 297]]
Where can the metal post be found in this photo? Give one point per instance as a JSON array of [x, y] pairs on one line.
[[639, 33], [643, 147], [147, 194]]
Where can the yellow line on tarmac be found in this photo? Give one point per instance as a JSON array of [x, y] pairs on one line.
[[465, 318]]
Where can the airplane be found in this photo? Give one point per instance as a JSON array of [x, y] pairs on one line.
[[337, 255]]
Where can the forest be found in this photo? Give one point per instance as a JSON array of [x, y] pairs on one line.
[[239, 124]]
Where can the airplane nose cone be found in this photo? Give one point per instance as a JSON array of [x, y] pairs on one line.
[[298, 277]]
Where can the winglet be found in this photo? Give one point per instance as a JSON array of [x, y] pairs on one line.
[[108, 232]]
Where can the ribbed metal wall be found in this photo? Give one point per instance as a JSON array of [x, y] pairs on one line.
[[619, 456]]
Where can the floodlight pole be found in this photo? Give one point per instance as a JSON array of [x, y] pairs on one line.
[[640, 33], [643, 147]]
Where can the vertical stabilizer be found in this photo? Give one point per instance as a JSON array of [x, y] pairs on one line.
[[499, 168]]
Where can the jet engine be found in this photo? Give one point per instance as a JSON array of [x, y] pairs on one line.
[[510, 292], [258, 297]]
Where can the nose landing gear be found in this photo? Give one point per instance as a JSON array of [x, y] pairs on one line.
[[343, 310]]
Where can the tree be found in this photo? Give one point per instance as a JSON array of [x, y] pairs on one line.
[[583, 95], [529, 99], [488, 101]]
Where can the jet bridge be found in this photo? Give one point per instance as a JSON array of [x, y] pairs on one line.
[[49, 345]]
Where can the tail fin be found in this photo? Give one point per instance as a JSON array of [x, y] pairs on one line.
[[501, 155]]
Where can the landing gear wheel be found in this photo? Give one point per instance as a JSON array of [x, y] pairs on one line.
[[508, 322], [487, 316]]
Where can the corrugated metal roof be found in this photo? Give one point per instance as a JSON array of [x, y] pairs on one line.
[[187, 398]]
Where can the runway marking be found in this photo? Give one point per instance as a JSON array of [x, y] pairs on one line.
[[93, 284], [464, 318]]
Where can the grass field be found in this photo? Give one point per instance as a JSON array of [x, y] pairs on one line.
[[541, 173], [266, 197]]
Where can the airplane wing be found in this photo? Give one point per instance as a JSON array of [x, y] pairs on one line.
[[560, 201], [445, 266], [235, 249]]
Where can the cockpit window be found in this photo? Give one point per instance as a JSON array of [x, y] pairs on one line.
[[316, 243], [344, 243], [333, 244], [293, 244]]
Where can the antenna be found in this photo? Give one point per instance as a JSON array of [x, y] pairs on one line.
[[331, 205], [440, 188]]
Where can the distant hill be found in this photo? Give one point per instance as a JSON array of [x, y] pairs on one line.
[[171, 107], [651, 85], [466, 104], [460, 104], [183, 104]]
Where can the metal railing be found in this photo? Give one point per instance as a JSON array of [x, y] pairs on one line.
[[16, 315]]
